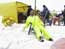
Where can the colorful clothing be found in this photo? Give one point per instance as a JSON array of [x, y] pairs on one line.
[[38, 27]]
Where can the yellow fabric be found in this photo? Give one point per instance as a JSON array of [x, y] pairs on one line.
[[8, 9], [11, 9], [28, 21], [37, 26], [37, 21], [21, 7], [7, 21]]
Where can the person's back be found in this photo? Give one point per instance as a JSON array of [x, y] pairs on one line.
[[45, 14], [37, 20], [45, 11]]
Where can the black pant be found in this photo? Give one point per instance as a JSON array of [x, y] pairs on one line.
[[64, 21], [46, 19]]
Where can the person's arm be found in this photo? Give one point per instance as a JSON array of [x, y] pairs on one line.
[[27, 23]]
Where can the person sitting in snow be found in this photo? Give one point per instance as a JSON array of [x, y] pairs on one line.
[[38, 27]]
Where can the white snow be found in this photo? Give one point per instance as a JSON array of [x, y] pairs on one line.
[[14, 38]]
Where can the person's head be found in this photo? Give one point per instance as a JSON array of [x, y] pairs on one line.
[[38, 12], [32, 12], [44, 6]]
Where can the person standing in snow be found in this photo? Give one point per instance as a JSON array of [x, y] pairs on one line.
[[45, 13]]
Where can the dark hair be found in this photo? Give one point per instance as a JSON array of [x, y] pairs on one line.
[[44, 6]]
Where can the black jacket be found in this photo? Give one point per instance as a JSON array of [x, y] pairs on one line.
[[63, 13], [45, 13]]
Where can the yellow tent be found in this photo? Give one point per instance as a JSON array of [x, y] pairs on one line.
[[11, 9]]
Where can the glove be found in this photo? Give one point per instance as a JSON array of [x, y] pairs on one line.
[[50, 39]]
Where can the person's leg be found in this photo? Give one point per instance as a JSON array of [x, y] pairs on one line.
[[53, 21], [47, 20], [45, 33], [37, 32], [64, 21], [58, 21], [50, 22], [44, 20]]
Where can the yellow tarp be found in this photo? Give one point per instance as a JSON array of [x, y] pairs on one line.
[[21, 7], [11, 9], [8, 9]]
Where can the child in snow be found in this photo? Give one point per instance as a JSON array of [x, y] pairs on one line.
[[38, 27]]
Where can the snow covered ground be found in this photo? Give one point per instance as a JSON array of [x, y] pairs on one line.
[[14, 38]]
